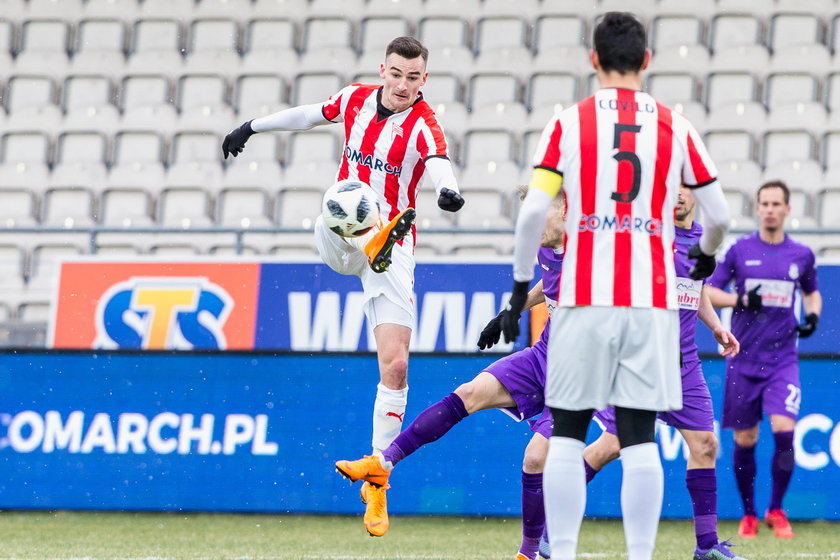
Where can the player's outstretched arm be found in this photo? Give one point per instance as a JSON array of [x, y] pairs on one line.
[[707, 315], [302, 117], [492, 333], [439, 172]]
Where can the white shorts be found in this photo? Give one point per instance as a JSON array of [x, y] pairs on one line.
[[620, 356], [389, 296]]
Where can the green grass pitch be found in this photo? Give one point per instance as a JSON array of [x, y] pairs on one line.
[[154, 536]]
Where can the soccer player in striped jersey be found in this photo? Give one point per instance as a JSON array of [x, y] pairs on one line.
[[695, 420], [514, 384], [392, 140], [770, 272], [620, 157]]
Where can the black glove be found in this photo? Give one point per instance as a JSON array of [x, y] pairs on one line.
[[491, 333], [510, 315], [235, 140], [705, 264], [807, 328], [750, 300], [449, 200]]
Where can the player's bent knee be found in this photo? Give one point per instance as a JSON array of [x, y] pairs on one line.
[[533, 462], [705, 447], [746, 438]]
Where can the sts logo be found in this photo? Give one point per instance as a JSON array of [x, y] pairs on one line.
[[163, 313]]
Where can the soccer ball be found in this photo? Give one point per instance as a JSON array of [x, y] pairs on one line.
[[350, 208]]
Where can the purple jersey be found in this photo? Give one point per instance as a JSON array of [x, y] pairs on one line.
[[551, 263], [767, 336], [688, 290]]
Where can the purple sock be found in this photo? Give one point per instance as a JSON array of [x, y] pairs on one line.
[[429, 425], [702, 487], [533, 513], [744, 464], [590, 472], [782, 467]]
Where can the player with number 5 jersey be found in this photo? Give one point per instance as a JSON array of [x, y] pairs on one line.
[[620, 156]]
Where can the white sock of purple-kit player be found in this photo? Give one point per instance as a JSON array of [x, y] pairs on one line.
[[564, 490], [388, 415], [642, 488]]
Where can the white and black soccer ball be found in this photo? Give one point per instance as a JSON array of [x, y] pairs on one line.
[[350, 208]]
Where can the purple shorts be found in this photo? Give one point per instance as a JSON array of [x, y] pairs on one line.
[[696, 413], [747, 395], [543, 424], [523, 375]]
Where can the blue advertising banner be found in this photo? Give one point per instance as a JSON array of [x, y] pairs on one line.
[[260, 432]]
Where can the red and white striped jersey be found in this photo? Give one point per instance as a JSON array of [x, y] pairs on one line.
[[387, 153], [622, 156]]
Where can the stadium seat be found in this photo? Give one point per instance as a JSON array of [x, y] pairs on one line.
[[202, 100], [376, 32], [195, 160], [156, 47], [442, 87], [787, 145], [80, 160], [673, 30], [310, 174], [429, 216], [213, 46], [523, 8], [253, 173], [752, 59], [454, 118], [127, 11], [126, 207], [670, 88], [243, 207], [788, 29], [312, 145], [442, 31], [297, 207], [495, 175], [510, 116], [810, 115], [551, 88], [31, 104], [87, 103], [280, 8], [329, 8], [644, 8], [830, 147], [789, 88], [726, 145], [695, 112], [813, 58], [491, 88], [11, 268], [138, 147], [829, 211], [315, 87], [325, 32], [448, 8], [734, 29], [257, 95], [235, 9], [44, 47], [270, 47], [729, 87], [34, 311], [68, 207], [682, 58], [25, 159], [745, 115], [99, 47], [17, 207], [6, 48], [743, 175], [394, 7], [184, 207], [116, 250], [482, 146], [498, 32]]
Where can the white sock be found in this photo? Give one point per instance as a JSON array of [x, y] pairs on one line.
[[564, 492], [388, 415], [642, 487]]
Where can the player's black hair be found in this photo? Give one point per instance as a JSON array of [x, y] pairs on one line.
[[408, 48], [774, 184], [620, 42]]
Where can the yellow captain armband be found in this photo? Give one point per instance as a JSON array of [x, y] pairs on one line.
[[547, 181]]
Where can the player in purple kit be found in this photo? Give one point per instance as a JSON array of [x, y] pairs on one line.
[[696, 419], [768, 269], [514, 384]]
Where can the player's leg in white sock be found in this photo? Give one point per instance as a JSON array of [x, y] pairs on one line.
[[564, 491], [642, 487], [388, 415]]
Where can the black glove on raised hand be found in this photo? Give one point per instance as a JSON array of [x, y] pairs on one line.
[[807, 328], [449, 200], [705, 264], [235, 140], [511, 314], [750, 300], [491, 333]]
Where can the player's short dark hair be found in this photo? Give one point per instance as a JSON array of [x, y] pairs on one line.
[[774, 184], [619, 39], [408, 48]]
